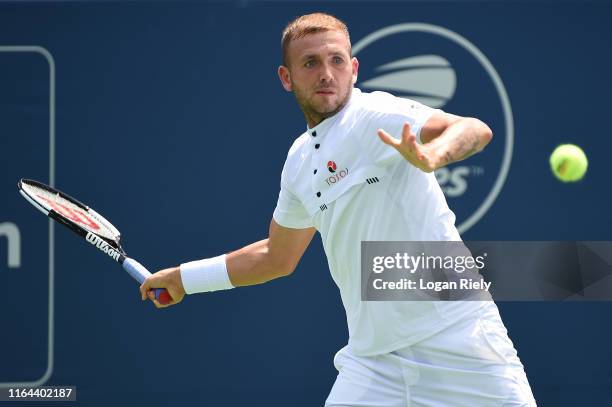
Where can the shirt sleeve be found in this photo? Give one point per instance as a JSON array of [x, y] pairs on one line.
[[289, 211], [390, 113], [415, 113]]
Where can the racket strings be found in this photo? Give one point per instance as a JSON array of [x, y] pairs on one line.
[[85, 218]]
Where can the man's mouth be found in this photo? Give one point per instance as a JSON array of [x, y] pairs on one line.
[[325, 92]]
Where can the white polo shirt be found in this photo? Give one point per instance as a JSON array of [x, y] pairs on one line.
[[342, 179]]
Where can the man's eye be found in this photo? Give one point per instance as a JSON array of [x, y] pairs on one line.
[[309, 64], [338, 60]]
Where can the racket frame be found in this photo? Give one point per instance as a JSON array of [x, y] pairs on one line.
[[135, 269]]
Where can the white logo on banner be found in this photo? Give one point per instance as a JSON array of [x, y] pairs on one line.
[[431, 80]]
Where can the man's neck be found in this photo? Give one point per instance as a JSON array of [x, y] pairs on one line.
[[314, 119]]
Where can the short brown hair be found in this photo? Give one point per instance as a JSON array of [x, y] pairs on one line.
[[310, 24]]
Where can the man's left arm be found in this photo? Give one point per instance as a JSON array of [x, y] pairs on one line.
[[446, 139]]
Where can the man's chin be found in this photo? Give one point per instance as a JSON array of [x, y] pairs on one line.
[[328, 108]]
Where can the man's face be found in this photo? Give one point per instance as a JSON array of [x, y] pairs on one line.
[[321, 73]]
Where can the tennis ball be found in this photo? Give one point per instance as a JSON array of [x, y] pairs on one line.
[[568, 162]]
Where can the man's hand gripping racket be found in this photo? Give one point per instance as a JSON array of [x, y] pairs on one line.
[[88, 224]]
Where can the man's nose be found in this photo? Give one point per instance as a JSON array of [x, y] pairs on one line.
[[326, 75]]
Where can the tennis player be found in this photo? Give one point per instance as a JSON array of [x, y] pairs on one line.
[[363, 171]]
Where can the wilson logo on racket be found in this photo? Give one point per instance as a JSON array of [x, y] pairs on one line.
[[102, 245], [331, 166]]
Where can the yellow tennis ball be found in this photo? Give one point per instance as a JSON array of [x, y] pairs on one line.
[[569, 163]]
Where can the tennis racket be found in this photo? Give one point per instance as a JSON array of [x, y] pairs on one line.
[[88, 224]]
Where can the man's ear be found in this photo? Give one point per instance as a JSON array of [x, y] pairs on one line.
[[285, 77], [355, 65]]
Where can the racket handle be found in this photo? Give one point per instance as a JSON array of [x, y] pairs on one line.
[[140, 274], [162, 296]]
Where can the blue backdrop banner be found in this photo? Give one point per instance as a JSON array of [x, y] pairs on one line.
[[169, 118]]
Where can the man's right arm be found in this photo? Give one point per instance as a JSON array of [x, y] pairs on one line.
[[259, 262], [276, 256]]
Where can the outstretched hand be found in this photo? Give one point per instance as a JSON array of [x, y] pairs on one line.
[[170, 279], [419, 155]]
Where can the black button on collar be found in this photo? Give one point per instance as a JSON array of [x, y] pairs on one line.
[[315, 171], [317, 146], [314, 134], [318, 194]]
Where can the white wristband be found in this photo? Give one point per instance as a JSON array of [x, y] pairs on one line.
[[205, 275]]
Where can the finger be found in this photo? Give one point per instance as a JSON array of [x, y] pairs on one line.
[[414, 146], [407, 134], [158, 305], [387, 138], [409, 139], [175, 295], [143, 291]]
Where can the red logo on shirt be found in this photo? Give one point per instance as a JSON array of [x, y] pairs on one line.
[[331, 166]]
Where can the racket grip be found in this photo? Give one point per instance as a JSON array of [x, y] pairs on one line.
[[162, 296], [140, 274]]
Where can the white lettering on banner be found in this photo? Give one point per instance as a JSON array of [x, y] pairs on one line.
[[13, 238], [102, 245], [454, 181]]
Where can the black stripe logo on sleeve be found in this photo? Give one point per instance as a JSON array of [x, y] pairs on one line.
[[372, 180]]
